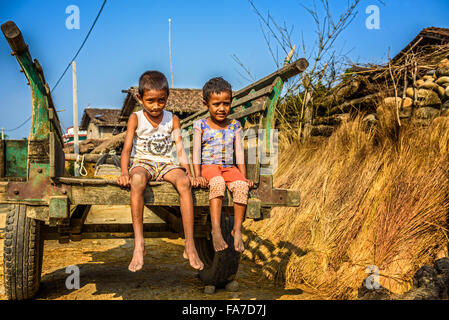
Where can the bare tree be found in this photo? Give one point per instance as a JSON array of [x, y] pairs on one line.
[[325, 61]]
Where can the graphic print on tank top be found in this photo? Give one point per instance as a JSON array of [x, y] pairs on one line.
[[153, 143], [158, 144]]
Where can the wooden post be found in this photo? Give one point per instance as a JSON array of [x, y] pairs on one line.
[[415, 89], [75, 119], [307, 107], [169, 49]]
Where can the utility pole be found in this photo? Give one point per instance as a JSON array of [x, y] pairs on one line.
[[75, 120], [169, 49]]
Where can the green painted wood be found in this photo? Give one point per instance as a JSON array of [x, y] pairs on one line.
[[253, 208], [269, 116], [40, 124], [59, 207], [16, 158]]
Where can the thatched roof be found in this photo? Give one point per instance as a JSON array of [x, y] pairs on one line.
[[101, 117], [182, 102], [427, 36]]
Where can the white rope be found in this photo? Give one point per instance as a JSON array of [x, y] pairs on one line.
[[82, 168]]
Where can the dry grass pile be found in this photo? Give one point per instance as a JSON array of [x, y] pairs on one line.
[[375, 196]]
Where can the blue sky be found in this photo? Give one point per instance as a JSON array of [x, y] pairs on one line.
[[132, 36]]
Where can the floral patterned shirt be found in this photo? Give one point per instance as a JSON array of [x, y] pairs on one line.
[[217, 145]]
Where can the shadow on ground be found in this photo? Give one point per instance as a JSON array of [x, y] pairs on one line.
[[273, 259], [166, 275]]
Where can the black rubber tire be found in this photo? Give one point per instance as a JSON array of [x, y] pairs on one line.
[[221, 267], [23, 253]]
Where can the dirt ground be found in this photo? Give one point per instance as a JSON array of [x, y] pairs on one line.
[[166, 275]]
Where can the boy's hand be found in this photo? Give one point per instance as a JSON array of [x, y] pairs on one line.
[[250, 183], [193, 182], [202, 182], [124, 180]]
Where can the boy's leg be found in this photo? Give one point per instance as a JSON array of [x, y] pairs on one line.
[[239, 214], [139, 179], [181, 181], [239, 189], [215, 217], [217, 188]]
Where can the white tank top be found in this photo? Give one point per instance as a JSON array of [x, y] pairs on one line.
[[154, 144]]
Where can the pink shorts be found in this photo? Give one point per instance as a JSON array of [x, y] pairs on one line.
[[219, 177], [229, 174]]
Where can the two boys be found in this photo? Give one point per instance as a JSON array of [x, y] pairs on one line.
[[148, 140]]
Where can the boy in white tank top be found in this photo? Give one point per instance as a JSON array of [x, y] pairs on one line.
[[149, 141]]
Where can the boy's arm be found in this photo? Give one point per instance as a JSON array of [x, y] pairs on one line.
[[197, 157], [196, 151], [123, 180], [182, 156], [240, 155]]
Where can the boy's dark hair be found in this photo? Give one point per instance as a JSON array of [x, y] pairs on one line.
[[152, 80], [216, 85]]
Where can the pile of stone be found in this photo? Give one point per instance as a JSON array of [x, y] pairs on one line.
[[373, 93], [428, 100]]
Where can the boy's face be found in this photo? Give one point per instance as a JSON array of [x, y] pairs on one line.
[[219, 105], [154, 101]]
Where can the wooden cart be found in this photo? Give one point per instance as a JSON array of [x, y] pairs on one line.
[[47, 204]]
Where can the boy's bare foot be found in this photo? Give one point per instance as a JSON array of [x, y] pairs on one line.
[[191, 254], [137, 260], [238, 242], [218, 241]]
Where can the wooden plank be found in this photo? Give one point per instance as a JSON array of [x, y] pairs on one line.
[[173, 221], [248, 111], [348, 105], [78, 216], [14, 37], [250, 148], [162, 195], [2, 158], [110, 235], [118, 231], [53, 117], [89, 157], [253, 209], [285, 73], [199, 115], [95, 181], [252, 96], [15, 158], [57, 160], [59, 209]]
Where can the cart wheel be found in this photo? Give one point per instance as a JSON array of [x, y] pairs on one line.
[[220, 267], [23, 252]]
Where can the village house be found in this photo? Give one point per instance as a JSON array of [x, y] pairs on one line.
[[100, 123], [181, 102]]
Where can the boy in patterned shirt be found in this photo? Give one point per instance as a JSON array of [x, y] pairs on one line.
[[215, 140]]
